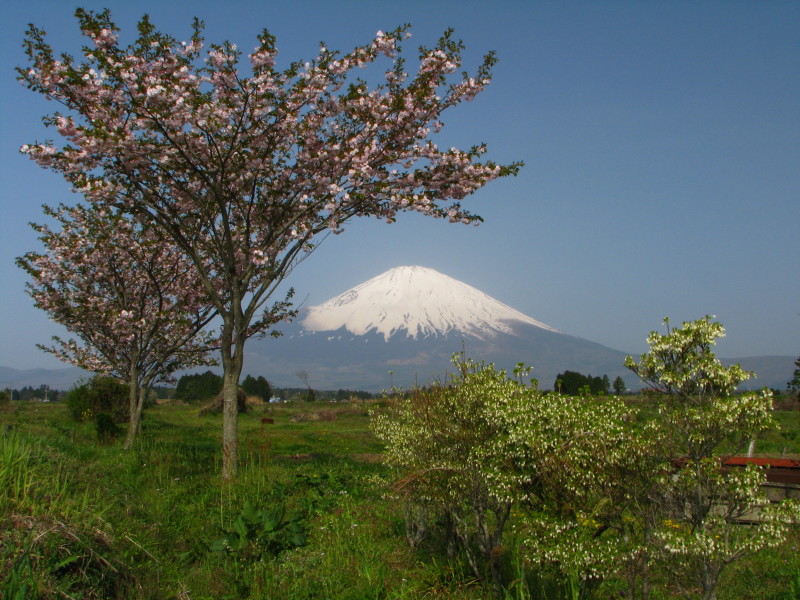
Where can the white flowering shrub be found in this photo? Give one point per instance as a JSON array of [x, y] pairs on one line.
[[599, 470], [585, 488], [474, 446], [456, 448], [701, 421]]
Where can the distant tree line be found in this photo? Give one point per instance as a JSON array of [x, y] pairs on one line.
[[349, 394], [571, 383], [302, 394], [41, 393], [199, 387], [257, 386], [793, 385]]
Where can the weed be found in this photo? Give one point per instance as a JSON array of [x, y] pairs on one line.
[[18, 584], [257, 532]]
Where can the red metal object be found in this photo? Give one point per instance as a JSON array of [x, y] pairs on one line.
[[784, 463], [779, 470]]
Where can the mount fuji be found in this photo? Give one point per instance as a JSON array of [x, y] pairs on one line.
[[416, 302], [402, 327]]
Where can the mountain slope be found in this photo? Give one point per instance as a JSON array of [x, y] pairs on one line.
[[403, 326], [419, 301], [57, 379]]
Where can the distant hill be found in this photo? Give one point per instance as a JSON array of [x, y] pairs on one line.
[[57, 379], [771, 371]]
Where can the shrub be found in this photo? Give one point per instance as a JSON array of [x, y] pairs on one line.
[[102, 394], [471, 448], [700, 423]]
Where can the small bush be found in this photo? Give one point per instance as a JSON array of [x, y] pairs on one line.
[[102, 394], [78, 403]]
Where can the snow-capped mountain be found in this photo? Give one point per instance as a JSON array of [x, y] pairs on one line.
[[419, 302], [402, 327]]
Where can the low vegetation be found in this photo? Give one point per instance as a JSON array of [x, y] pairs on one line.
[[479, 486], [315, 514]]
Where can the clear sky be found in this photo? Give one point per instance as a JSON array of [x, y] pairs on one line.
[[661, 142]]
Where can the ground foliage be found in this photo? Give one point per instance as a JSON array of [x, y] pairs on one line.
[[152, 529]]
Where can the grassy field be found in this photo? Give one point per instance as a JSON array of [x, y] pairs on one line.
[[311, 515]]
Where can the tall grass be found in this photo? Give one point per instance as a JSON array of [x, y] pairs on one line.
[[83, 520], [53, 538]]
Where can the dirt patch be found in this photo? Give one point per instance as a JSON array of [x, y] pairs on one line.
[[312, 416], [367, 458]]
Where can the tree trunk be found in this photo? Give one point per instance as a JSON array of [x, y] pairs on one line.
[[646, 565], [139, 391], [135, 412], [711, 573], [232, 369], [495, 547], [135, 427]]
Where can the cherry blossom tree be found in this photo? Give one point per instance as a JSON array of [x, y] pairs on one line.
[[245, 168], [133, 302]]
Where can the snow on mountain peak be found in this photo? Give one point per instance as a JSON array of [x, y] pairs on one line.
[[419, 300]]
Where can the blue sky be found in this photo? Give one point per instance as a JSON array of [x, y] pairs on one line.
[[661, 142]]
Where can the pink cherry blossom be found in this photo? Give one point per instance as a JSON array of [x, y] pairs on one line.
[[242, 171], [131, 300]]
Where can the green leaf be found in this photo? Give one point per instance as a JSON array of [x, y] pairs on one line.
[[250, 514], [240, 527], [67, 561]]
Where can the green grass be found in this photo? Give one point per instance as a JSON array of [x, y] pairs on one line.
[[84, 520], [786, 439], [783, 441]]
